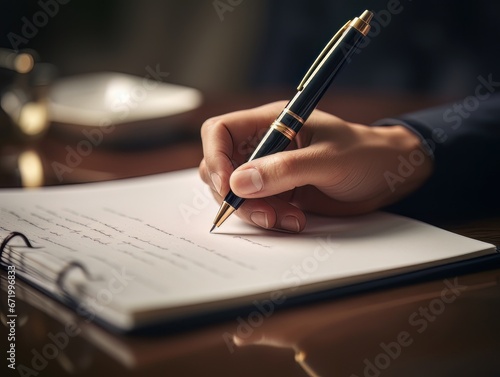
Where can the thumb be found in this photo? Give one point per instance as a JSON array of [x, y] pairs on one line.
[[277, 173]]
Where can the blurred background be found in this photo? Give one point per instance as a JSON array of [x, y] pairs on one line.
[[241, 53], [428, 46]]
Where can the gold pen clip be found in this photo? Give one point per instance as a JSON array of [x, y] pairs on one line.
[[323, 54], [361, 24]]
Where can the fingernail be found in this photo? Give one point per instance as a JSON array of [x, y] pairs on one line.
[[290, 223], [216, 182], [260, 219], [248, 181]]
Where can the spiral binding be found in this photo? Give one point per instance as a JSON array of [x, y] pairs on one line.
[[61, 275], [60, 279], [10, 237]]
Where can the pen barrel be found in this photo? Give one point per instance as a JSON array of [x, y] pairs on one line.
[[274, 141], [292, 118], [306, 100]]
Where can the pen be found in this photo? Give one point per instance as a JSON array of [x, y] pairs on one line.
[[309, 92]]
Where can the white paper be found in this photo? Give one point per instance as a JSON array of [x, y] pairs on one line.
[[147, 246]]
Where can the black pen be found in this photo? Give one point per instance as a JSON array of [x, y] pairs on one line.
[[312, 87]]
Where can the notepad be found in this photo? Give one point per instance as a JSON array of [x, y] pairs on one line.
[[136, 253]]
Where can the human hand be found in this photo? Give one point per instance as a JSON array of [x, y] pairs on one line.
[[333, 167]]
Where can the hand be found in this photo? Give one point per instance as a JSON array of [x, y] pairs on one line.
[[333, 167]]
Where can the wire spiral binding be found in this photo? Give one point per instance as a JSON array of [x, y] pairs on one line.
[[60, 280], [61, 275], [10, 237]]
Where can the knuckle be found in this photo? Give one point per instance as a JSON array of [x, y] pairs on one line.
[[285, 165], [210, 124], [202, 168], [283, 168]]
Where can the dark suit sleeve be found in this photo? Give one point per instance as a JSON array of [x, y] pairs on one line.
[[464, 140]]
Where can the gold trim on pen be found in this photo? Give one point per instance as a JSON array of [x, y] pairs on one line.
[[225, 211], [322, 55], [291, 113], [285, 130], [362, 23]]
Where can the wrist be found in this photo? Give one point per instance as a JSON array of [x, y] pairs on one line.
[[413, 159], [400, 137], [407, 166]]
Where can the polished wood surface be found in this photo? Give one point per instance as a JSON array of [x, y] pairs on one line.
[[399, 331], [446, 326]]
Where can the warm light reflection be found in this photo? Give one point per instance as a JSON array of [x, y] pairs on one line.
[[10, 103], [33, 118], [300, 358], [30, 169], [24, 63]]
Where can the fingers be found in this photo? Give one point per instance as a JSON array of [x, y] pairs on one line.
[[332, 167], [284, 171], [226, 142], [317, 160], [321, 160], [273, 213]]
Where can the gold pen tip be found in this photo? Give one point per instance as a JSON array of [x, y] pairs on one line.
[[224, 211]]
